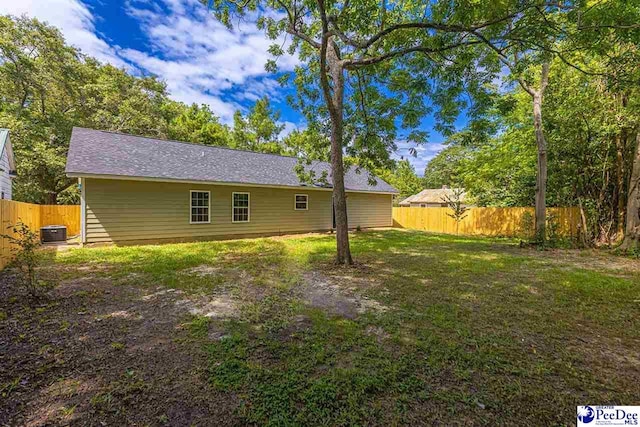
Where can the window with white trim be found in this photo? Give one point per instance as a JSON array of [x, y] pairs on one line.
[[301, 202], [240, 212], [200, 206]]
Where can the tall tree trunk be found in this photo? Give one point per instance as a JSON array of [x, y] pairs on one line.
[[618, 199], [334, 97], [339, 194], [632, 229], [537, 95], [541, 176], [51, 198]]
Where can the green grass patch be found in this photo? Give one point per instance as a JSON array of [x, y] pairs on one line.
[[475, 331]]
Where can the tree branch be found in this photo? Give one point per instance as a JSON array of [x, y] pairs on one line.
[[352, 64], [443, 27], [296, 33]]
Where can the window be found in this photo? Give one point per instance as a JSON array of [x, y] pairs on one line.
[[240, 207], [301, 202], [423, 205], [200, 205]]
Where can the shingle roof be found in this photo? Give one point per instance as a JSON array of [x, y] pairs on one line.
[[94, 152], [432, 195]]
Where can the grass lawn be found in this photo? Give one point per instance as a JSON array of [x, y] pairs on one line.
[[426, 329]]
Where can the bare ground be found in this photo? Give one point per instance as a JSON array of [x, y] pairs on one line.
[[337, 295], [99, 353], [94, 351]]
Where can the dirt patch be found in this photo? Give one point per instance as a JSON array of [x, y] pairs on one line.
[[203, 270], [617, 356], [337, 295], [594, 260], [96, 353], [219, 307]]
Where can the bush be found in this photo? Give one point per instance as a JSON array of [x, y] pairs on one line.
[[553, 231], [26, 259], [526, 230]]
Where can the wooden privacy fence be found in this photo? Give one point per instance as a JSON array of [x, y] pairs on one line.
[[35, 216], [508, 222]]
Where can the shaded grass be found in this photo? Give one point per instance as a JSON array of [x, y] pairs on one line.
[[478, 331]]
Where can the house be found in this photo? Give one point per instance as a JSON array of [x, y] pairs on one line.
[[137, 189], [431, 198], [7, 165]]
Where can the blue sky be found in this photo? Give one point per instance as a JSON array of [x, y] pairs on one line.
[[200, 60]]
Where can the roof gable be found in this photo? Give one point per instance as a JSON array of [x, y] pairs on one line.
[[433, 195], [94, 152]]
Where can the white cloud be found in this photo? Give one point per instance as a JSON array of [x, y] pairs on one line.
[[195, 54], [200, 59], [289, 127], [75, 21]]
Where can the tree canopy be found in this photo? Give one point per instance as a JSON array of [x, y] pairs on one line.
[[548, 91], [48, 87]]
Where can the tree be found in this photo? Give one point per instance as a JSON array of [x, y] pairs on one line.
[[523, 69], [196, 124], [39, 77], [116, 101], [569, 31], [443, 169], [47, 87], [259, 130], [403, 177], [308, 145], [372, 62], [458, 209], [631, 241], [591, 121]]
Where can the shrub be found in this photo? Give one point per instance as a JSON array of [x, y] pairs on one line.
[[24, 243], [553, 230], [526, 229], [458, 210]]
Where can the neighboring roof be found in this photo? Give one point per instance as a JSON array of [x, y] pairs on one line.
[[432, 195], [94, 152], [5, 145]]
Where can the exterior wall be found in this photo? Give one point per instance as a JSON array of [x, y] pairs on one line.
[[369, 210], [5, 179], [121, 210]]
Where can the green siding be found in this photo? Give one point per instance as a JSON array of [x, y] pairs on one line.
[[119, 210], [369, 210]]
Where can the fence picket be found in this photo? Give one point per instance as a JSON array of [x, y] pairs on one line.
[[35, 216], [481, 221]]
